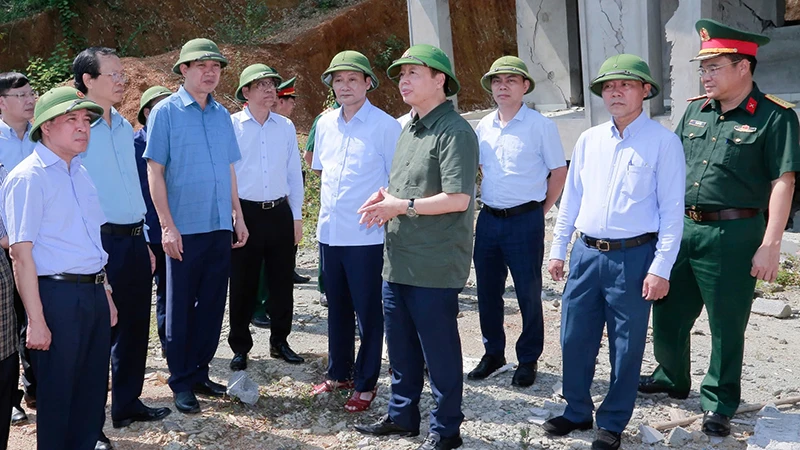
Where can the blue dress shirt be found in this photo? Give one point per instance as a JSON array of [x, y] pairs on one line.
[[623, 186], [150, 217], [55, 207], [13, 148], [196, 147]]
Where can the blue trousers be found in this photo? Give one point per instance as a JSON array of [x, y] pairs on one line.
[[517, 244], [128, 271], [73, 374], [353, 280], [160, 279], [196, 292], [421, 329], [604, 289]]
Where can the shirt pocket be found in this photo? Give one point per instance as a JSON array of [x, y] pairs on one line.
[[693, 139], [739, 146], [639, 182]]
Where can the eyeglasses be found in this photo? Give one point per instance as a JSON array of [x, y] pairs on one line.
[[711, 70], [23, 96], [264, 85], [116, 77]]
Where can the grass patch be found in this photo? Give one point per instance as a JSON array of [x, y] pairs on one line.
[[311, 200]]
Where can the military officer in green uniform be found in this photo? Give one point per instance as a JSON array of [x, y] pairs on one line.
[[742, 153]]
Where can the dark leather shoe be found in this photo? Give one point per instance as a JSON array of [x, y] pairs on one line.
[[606, 440], [186, 402], [18, 416], [716, 424], [525, 374], [284, 352], [300, 279], [262, 321], [561, 426], [239, 361], [648, 385], [103, 443], [385, 427], [209, 388], [436, 442], [488, 364], [146, 415]]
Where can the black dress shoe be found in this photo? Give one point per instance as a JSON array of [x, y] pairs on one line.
[[385, 427], [561, 426], [209, 388], [146, 415], [648, 385], [606, 440], [436, 442], [262, 321], [284, 352], [716, 424], [103, 443], [488, 364], [525, 374], [239, 361], [186, 402], [18, 416], [300, 279]]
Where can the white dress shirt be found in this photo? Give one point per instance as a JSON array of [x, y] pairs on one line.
[[13, 148], [517, 158], [270, 165], [619, 187], [355, 158]]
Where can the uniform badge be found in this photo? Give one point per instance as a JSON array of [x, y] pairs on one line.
[[79, 94], [779, 101], [745, 128], [704, 35], [697, 123], [405, 54], [751, 105]]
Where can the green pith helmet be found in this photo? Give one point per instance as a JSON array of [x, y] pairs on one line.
[[255, 72], [57, 102], [624, 67], [148, 96], [198, 50], [428, 56], [350, 60], [719, 39], [507, 64]]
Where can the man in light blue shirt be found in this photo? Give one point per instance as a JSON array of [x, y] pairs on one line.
[[624, 195], [110, 160], [523, 173]]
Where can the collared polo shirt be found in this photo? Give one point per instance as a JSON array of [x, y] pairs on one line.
[[55, 207], [110, 160], [150, 217], [436, 153], [13, 148], [517, 158], [270, 165], [355, 158], [196, 147]]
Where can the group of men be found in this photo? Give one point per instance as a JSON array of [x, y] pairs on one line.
[[224, 192]]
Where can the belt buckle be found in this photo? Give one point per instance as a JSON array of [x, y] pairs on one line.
[[267, 205], [602, 245], [697, 216], [100, 278], [137, 231]]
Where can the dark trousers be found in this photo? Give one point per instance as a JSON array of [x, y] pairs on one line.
[[160, 279], [510, 243], [353, 276], [73, 374], [9, 371], [128, 271], [196, 288], [604, 289], [271, 241], [28, 379], [421, 328]]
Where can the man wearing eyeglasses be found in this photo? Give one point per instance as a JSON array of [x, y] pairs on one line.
[[270, 190], [742, 153], [110, 159]]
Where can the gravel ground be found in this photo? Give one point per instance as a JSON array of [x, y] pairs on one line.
[[498, 416]]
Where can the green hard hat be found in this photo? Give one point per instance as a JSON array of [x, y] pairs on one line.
[[255, 72], [198, 50], [510, 65], [350, 60], [148, 96], [428, 56], [57, 102], [624, 67], [718, 39]]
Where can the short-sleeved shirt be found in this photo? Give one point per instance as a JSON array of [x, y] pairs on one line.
[[732, 157], [8, 319], [13, 148], [436, 153], [517, 158], [196, 147], [110, 160], [150, 217], [355, 158], [56, 208]]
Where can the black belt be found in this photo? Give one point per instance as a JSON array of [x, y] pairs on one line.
[[605, 245], [133, 229], [265, 205], [95, 278], [509, 212], [723, 214]]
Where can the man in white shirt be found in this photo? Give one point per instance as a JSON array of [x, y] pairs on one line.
[[624, 195], [523, 173], [353, 149], [270, 186]]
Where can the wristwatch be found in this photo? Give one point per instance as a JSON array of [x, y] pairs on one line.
[[410, 211]]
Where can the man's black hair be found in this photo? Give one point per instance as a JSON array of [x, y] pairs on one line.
[[12, 80], [88, 61]]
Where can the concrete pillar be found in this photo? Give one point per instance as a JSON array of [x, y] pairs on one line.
[[429, 23], [548, 42], [611, 27]]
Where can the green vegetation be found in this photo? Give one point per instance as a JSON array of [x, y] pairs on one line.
[[247, 26], [11, 10], [788, 274], [45, 74], [388, 51]]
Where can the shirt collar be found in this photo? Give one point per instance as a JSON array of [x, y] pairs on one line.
[[361, 114], [116, 119], [520, 115], [434, 115], [6, 129], [270, 117], [187, 98], [48, 158], [748, 105], [633, 128]]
